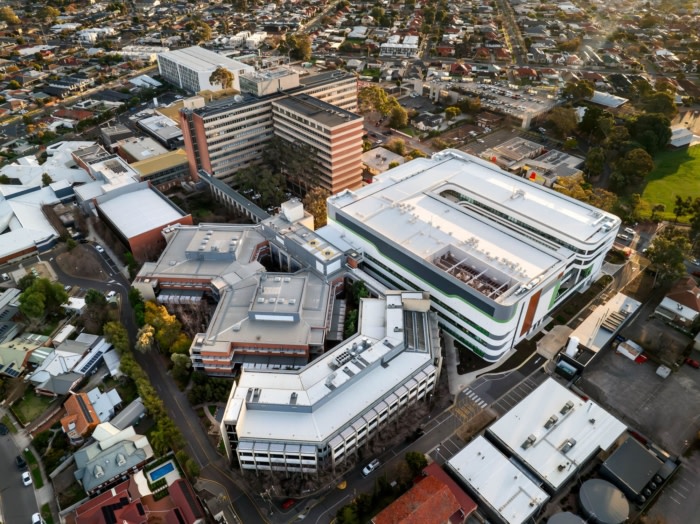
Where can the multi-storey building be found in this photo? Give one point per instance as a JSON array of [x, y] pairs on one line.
[[313, 419], [229, 135], [496, 252], [333, 135], [190, 68]]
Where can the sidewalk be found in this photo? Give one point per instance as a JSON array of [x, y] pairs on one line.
[[45, 494], [457, 382]]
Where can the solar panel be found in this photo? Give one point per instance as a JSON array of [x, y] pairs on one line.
[[93, 360]]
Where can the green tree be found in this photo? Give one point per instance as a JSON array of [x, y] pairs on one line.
[[13, 84], [661, 102], [181, 367], [298, 45], [576, 187], [95, 298], [682, 206], [397, 145], [48, 14], [667, 255], [315, 203], [652, 131], [452, 112], [374, 98], [580, 90], [46, 179], [222, 77], [393, 164], [416, 462], [563, 119], [117, 335], [31, 304], [595, 161], [398, 118]]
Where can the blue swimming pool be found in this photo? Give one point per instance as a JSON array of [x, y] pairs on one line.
[[161, 471]]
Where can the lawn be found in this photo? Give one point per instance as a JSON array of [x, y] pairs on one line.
[[677, 172], [34, 469], [30, 406], [6, 420]]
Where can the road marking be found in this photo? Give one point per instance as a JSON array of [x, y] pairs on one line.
[[679, 493], [674, 500]]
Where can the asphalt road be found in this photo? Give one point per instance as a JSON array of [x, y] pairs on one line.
[[17, 501]]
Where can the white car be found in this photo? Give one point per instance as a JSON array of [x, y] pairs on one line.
[[26, 479], [36, 519], [99, 248], [369, 468]]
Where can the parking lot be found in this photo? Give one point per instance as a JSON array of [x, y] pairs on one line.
[[663, 410], [511, 102]]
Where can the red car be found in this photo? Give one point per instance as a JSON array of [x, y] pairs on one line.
[[288, 503], [692, 363]]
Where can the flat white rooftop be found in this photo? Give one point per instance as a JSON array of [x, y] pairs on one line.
[[596, 330], [311, 404], [497, 481], [554, 431], [139, 211], [200, 59]]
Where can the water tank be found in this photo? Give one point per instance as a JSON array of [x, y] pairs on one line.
[[565, 517], [572, 347], [603, 503]]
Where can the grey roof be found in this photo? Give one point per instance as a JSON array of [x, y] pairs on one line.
[[60, 384], [632, 465], [93, 470], [129, 415]]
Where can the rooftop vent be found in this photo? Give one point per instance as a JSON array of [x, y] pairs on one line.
[[551, 421], [529, 441], [567, 407], [568, 444]]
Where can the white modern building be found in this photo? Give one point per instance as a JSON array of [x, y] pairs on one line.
[[505, 494], [496, 252], [313, 419], [554, 433], [190, 68]]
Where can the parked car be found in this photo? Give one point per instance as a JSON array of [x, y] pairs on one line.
[[692, 363], [36, 519], [99, 248], [26, 479], [21, 463], [3, 429], [369, 468], [288, 503]]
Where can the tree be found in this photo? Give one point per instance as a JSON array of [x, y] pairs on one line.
[[398, 118], [652, 131], [452, 112], [31, 304], [298, 46], [682, 206], [576, 187], [661, 102], [223, 77], [579, 90], [393, 164], [144, 338], [315, 203], [9, 16], [13, 84], [117, 335], [657, 208], [563, 119], [46, 179], [595, 161], [181, 367], [397, 145], [667, 255], [374, 98], [48, 14], [416, 461], [635, 165]]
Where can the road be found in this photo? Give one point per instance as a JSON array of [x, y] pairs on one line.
[[17, 501]]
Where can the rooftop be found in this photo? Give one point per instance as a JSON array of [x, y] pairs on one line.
[[311, 404], [138, 210], [317, 110], [159, 163], [501, 485], [200, 59], [554, 431]]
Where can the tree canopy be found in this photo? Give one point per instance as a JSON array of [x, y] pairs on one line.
[[222, 77], [576, 187], [40, 297], [315, 203], [668, 253]]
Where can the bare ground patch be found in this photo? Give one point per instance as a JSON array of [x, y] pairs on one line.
[[81, 262]]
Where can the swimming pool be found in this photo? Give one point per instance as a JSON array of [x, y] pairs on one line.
[[161, 471]]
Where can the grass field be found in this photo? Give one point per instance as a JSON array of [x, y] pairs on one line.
[[676, 173], [30, 406]]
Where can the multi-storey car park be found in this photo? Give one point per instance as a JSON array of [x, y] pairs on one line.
[[230, 134], [496, 252]]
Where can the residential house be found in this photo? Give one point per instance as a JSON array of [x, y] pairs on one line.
[[113, 454], [84, 411], [681, 306], [428, 122]]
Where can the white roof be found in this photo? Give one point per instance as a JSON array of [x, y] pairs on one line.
[[592, 331], [497, 482], [590, 426], [607, 99], [23, 224], [199, 59], [415, 205], [336, 394], [139, 211]]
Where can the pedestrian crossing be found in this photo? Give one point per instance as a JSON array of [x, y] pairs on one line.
[[476, 399]]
